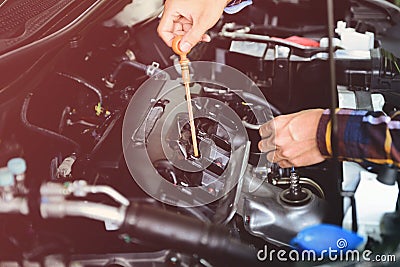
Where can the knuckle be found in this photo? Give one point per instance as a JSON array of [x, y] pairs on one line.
[[261, 145], [275, 157], [278, 121], [283, 164], [261, 130], [285, 153], [278, 141], [271, 157], [297, 162]]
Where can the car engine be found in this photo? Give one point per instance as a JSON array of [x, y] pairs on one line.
[[97, 167]]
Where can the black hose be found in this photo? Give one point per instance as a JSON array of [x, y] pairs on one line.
[[165, 229], [131, 63], [84, 83], [43, 131]]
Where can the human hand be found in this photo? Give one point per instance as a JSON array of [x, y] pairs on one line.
[[190, 18], [291, 140]]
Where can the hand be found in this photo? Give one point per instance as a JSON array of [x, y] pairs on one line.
[[190, 18], [291, 140]]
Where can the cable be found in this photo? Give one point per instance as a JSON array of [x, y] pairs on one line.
[[333, 87], [334, 97]]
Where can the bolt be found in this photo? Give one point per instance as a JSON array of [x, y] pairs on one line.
[[294, 183]]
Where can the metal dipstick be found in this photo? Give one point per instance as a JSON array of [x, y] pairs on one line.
[[184, 62]]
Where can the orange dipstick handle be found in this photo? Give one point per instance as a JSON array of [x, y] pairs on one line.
[[176, 49], [186, 80]]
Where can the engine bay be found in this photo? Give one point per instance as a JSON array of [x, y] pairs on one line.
[[97, 167]]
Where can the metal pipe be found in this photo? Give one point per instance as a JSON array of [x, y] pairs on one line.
[[298, 49], [95, 211], [251, 126], [80, 188], [111, 192], [16, 205]]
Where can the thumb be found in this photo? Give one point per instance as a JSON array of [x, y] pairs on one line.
[[191, 38]]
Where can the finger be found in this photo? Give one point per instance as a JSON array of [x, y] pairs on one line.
[[192, 37], [185, 20], [271, 156], [267, 129], [186, 27], [285, 164], [298, 149], [272, 138], [206, 38], [266, 145], [275, 156], [307, 159], [178, 27], [167, 37], [176, 33], [275, 125], [166, 28]]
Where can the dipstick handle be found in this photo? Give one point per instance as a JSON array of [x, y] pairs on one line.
[[175, 47]]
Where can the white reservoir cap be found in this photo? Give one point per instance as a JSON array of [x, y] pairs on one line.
[[17, 166]]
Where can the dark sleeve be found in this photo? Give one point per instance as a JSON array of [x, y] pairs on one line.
[[362, 135]]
